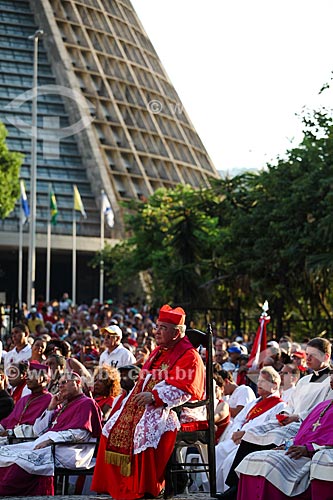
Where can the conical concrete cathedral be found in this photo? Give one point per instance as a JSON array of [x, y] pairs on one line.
[[108, 118]]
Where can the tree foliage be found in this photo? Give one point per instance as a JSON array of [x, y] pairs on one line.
[[10, 164], [173, 238], [255, 236]]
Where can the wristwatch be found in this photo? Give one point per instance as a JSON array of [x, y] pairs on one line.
[[10, 433]]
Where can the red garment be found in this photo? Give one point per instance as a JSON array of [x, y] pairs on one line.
[[15, 481], [258, 488], [147, 471], [321, 490], [180, 366], [27, 409], [221, 427], [104, 400], [241, 378], [17, 391]]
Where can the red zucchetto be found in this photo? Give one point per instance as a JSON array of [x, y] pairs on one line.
[[174, 316]]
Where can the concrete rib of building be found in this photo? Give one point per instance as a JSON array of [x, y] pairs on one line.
[[108, 118]]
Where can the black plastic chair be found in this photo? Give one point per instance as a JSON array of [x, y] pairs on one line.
[[202, 439]]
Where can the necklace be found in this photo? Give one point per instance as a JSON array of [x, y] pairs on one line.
[[28, 403], [62, 409], [318, 423]]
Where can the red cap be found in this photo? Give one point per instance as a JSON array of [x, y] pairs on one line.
[[299, 354], [174, 316]]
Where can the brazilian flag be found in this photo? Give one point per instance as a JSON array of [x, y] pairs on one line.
[[53, 208]]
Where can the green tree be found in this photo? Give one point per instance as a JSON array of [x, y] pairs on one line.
[[174, 239], [10, 164], [279, 219]]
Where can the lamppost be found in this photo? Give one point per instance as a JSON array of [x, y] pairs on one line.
[[33, 178]]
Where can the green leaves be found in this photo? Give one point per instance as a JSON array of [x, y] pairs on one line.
[[10, 164]]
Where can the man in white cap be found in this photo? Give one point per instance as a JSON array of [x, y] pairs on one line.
[[115, 353]]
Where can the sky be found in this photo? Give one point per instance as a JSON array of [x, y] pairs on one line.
[[244, 70]]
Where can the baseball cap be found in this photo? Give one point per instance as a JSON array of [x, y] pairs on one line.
[[234, 348], [33, 310], [112, 330], [273, 343], [298, 354], [133, 370]]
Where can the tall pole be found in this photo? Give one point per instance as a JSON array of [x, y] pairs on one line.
[[101, 269], [74, 260], [20, 262], [48, 251], [31, 291]]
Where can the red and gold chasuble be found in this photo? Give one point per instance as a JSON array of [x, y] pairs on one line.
[[163, 364]]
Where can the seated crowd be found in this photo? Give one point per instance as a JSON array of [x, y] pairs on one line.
[[67, 372]]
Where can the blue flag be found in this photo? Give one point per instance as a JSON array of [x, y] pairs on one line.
[[24, 201]]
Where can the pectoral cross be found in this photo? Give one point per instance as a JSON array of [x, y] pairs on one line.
[[315, 425]]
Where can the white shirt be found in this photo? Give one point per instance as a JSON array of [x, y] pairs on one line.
[[117, 358], [307, 395], [286, 395], [242, 395], [15, 356]]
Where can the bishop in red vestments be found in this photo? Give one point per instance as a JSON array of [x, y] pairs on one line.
[[138, 439]]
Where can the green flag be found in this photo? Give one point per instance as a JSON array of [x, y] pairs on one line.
[[53, 208]]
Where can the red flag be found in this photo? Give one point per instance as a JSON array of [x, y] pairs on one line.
[[260, 341]]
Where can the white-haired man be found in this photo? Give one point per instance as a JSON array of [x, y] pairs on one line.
[[253, 414], [115, 353]]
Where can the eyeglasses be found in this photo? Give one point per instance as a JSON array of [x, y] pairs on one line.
[[110, 336], [64, 382]]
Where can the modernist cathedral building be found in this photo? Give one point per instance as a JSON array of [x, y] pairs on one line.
[[108, 119]]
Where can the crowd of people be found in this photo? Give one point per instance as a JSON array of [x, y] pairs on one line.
[[115, 372]]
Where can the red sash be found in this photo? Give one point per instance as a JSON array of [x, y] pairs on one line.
[[17, 391], [261, 407]]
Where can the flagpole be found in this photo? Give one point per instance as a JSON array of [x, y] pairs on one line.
[[74, 260], [20, 260], [48, 251], [31, 285], [101, 270]]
